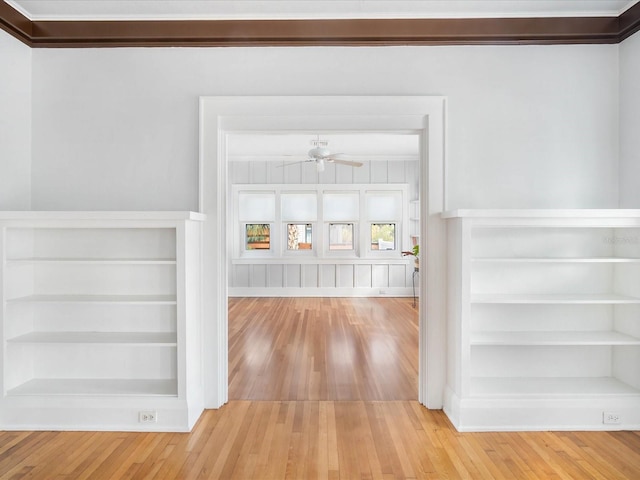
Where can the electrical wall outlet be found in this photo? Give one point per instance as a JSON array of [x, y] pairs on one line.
[[148, 416], [609, 418]]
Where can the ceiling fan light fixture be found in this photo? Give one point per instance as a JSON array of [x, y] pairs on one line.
[[319, 153]]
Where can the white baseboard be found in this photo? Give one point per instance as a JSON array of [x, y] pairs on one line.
[[540, 414], [95, 415], [320, 292]]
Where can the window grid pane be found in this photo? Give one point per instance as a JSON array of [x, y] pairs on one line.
[[341, 236], [383, 236], [258, 236], [299, 236]]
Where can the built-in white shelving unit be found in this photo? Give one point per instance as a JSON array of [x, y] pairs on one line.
[[544, 319], [100, 320]]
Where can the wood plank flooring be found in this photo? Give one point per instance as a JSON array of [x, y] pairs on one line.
[[323, 349], [303, 438]]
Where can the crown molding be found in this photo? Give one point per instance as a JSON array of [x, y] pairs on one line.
[[15, 23], [629, 22], [339, 32]]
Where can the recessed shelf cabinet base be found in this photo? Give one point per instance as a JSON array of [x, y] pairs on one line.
[[100, 320], [543, 319]]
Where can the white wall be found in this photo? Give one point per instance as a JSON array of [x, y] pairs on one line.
[[529, 126], [15, 124], [630, 122]]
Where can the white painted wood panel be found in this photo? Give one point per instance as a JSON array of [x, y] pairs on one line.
[[258, 276], [396, 173], [328, 276], [239, 172], [379, 276], [345, 174], [292, 277], [397, 275], [241, 275], [258, 173], [379, 172], [275, 276], [293, 174], [363, 276], [275, 173], [309, 174], [329, 174], [362, 174], [345, 277], [309, 276]]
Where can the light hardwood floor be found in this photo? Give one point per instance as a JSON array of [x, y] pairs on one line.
[[323, 349], [350, 438]]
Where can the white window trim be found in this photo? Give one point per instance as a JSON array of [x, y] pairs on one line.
[[320, 239]]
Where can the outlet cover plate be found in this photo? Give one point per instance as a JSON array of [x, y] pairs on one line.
[[610, 418], [148, 416]]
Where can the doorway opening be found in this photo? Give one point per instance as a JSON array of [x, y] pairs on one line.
[[221, 116], [331, 321]]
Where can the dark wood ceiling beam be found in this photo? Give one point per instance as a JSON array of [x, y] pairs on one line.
[[629, 22], [342, 32], [327, 32], [15, 23]]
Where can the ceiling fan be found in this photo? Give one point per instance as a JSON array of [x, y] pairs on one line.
[[320, 154]]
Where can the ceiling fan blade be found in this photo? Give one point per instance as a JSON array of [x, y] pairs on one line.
[[336, 156], [294, 163], [345, 162]]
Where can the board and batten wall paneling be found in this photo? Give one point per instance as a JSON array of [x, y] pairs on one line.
[[345, 279], [262, 172]]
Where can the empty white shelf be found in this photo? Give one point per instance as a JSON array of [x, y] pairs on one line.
[[550, 386], [164, 339], [96, 386], [554, 299], [94, 261], [530, 338], [123, 299]]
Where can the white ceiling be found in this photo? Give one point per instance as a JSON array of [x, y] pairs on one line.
[[288, 9]]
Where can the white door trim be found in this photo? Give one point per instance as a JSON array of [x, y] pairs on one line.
[[222, 115]]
